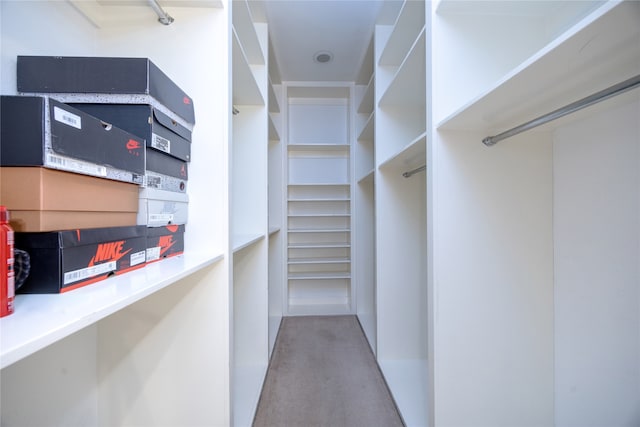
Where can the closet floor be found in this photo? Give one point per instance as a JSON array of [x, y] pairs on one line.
[[323, 373]]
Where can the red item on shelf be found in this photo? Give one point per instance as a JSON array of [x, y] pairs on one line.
[[7, 286]]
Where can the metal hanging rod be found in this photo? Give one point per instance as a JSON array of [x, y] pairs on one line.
[[163, 17], [568, 109], [414, 171]]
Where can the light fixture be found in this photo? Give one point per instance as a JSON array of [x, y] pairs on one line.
[[323, 57], [163, 17]]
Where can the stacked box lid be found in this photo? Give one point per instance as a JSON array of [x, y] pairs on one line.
[[138, 79]]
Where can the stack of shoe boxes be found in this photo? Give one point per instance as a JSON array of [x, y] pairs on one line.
[[116, 118], [64, 175]]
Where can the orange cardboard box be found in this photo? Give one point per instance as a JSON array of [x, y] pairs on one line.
[[42, 199]]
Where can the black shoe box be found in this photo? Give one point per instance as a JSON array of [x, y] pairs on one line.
[[159, 130], [102, 75], [165, 172], [164, 242], [65, 260], [40, 131]]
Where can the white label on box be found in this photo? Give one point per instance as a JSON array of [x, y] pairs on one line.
[[85, 273], [153, 253], [77, 166], [164, 218], [137, 258], [160, 143], [153, 181], [67, 118]]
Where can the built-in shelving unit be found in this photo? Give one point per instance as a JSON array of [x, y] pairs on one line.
[[399, 203], [255, 105], [518, 237], [106, 353], [277, 251], [41, 320], [363, 194], [318, 202]]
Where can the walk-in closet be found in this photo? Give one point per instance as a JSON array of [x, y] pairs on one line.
[[462, 177]]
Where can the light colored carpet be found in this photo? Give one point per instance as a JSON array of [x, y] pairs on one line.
[[323, 373]]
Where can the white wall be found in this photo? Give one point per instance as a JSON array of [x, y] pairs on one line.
[[597, 269], [22, 34], [66, 398], [493, 281]]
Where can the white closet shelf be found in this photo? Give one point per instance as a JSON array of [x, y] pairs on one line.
[[320, 200], [318, 147], [366, 103], [597, 52], [273, 229], [366, 134], [320, 275], [407, 88], [368, 177], [407, 380], [407, 26], [241, 241], [319, 184], [246, 32], [318, 309], [298, 261], [248, 381], [413, 154], [318, 245], [245, 87], [319, 230], [319, 215], [274, 135], [42, 319], [274, 104]]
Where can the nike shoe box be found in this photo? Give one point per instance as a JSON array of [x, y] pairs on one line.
[[65, 260], [119, 80], [161, 132], [164, 242], [158, 207], [40, 131], [165, 172], [42, 199]]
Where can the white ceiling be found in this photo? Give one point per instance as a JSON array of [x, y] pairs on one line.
[[301, 28]]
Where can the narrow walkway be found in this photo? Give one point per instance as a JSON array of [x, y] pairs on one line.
[[323, 373]]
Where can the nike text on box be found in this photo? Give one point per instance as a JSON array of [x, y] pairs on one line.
[[164, 242], [65, 260]]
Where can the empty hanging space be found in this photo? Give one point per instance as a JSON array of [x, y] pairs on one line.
[[537, 238], [400, 134], [318, 201]]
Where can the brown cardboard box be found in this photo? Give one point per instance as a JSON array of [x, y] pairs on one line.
[[41, 199]]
